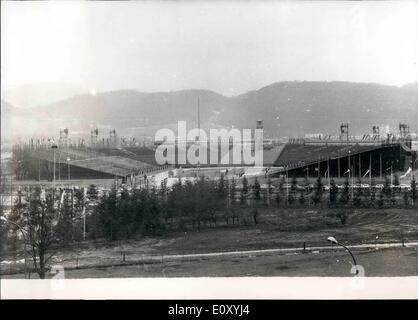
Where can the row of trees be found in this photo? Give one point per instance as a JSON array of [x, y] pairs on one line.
[[51, 219], [348, 195], [43, 220]]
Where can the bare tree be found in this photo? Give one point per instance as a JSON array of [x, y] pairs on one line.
[[38, 219]]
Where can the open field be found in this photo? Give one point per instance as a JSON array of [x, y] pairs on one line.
[[331, 263], [279, 228]]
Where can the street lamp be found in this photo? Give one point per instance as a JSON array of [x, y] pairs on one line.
[[68, 164], [3, 218], [53, 147], [414, 159], [333, 240], [350, 175]]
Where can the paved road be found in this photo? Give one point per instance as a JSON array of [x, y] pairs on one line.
[[134, 259], [280, 250], [329, 263]]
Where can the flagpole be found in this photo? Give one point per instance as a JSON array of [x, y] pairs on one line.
[[413, 174], [391, 176], [319, 168], [287, 186], [349, 167], [350, 175], [380, 165], [329, 182], [338, 166], [354, 166]]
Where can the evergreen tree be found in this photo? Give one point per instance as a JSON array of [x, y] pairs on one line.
[[293, 191], [163, 200], [413, 192], [92, 193], [152, 222], [372, 192], [257, 190], [317, 197], [232, 200], [333, 193], [396, 180], [244, 191], [279, 192], [345, 193], [302, 199], [269, 191], [387, 190], [405, 197], [222, 188], [358, 193], [306, 182], [126, 214], [381, 199], [163, 189], [232, 192], [65, 222], [108, 214], [278, 197]]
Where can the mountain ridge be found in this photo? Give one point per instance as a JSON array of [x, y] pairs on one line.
[[288, 108]]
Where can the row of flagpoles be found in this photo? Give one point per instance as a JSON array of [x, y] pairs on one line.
[[368, 173]]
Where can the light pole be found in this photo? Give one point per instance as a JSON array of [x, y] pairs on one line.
[[59, 168], [53, 147], [414, 159], [3, 218], [287, 186], [391, 175], [68, 166], [333, 240], [350, 175]]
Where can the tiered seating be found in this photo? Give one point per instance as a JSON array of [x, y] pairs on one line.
[[111, 161], [299, 154], [145, 155]]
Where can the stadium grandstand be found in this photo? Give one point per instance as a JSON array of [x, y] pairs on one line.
[[371, 155]]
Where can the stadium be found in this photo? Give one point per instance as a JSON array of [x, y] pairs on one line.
[[371, 155]]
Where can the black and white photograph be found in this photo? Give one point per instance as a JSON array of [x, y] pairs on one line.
[[209, 150]]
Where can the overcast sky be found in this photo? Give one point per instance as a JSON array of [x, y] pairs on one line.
[[229, 47]]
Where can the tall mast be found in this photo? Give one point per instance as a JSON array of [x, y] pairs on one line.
[[198, 115], [198, 126]]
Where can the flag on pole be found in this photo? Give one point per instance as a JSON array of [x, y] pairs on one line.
[[406, 173], [367, 172]]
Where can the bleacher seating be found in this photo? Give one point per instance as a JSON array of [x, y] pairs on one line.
[[295, 155]]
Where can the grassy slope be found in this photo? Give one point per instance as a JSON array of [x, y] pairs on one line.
[[277, 228]]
